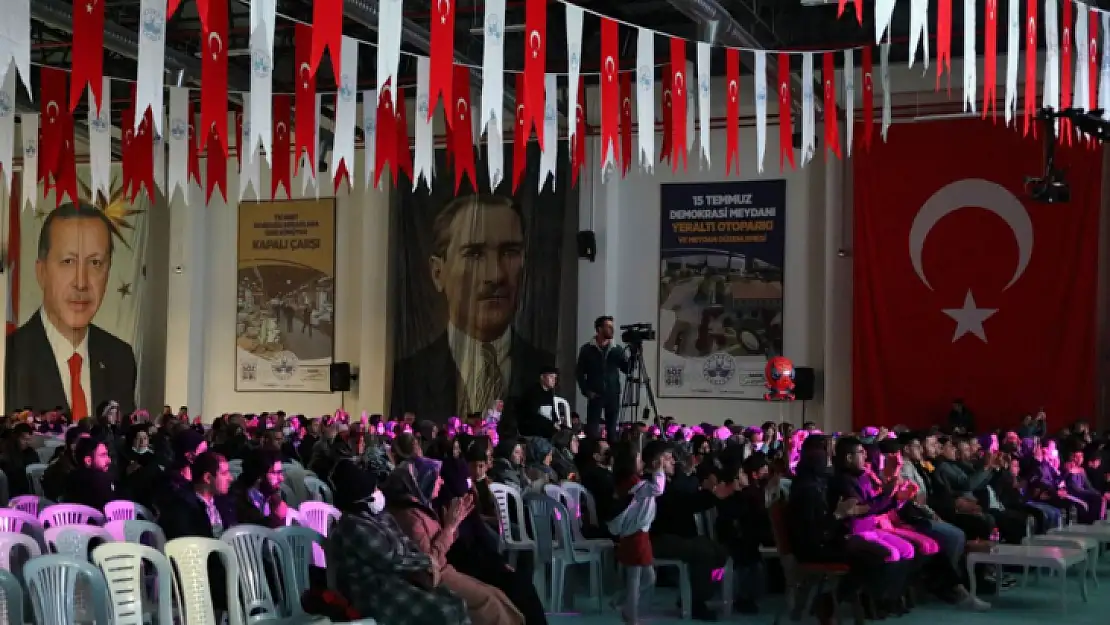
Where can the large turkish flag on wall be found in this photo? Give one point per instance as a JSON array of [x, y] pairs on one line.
[[965, 287]]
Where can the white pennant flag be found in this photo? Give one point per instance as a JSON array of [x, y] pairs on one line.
[[809, 119], [919, 29], [7, 127], [703, 100], [423, 162], [1081, 93], [262, 77], [493, 62], [250, 165], [346, 111], [160, 161], [152, 62], [309, 174], [971, 79], [689, 110], [884, 11], [100, 144], [495, 156], [884, 72], [1051, 89], [760, 105], [390, 14], [29, 130], [15, 41], [574, 65], [849, 96], [1013, 27], [549, 156], [1104, 73], [645, 97], [369, 132], [178, 171]]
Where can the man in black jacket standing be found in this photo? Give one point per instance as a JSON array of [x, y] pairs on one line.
[[600, 363], [536, 410]]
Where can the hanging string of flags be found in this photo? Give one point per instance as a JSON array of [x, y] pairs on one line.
[[280, 126]]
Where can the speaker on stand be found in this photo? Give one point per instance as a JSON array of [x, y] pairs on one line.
[[805, 383], [340, 376]]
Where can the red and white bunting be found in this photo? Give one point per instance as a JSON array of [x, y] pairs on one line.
[[305, 98], [1104, 73], [645, 98], [462, 129], [944, 40], [574, 62], [971, 63], [679, 89], [868, 98], [7, 130], [100, 142], [520, 131], [832, 128], [665, 105], [919, 30], [704, 92], [441, 52], [1066, 53], [1051, 91], [884, 74], [15, 44], [215, 163], [732, 114], [52, 86], [423, 164], [786, 128], [549, 152], [213, 93], [179, 140], [403, 153], [250, 165], [1030, 101], [809, 115], [990, 60], [281, 171], [1013, 38], [385, 134], [370, 136], [493, 88], [1092, 63], [88, 46], [578, 145], [390, 19], [760, 78], [849, 98], [327, 34], [29, 129], [884, 11], [626, 123], [263, 14], [346, 113], [610, 96], [535, 64], [859, 10]]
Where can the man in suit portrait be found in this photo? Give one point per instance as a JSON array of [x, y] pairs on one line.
[[477, 263], [59, 358]]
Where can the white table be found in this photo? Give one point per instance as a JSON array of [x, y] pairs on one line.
[[1055, 558], [1072, 541]]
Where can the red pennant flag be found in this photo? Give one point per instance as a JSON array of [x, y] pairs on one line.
[[53, 96], [462, 133], [1066, 72], [520, 134], [213, 71], [1030, 102], [678, 102], [127, 149], [626, 123], [859, 9], [578, 150], [194, 144], [832, 128], [280, 170], [990, 60], [304, 104], [216, 177], [1092, 61], [665, 101], [442, 60], [385, 135], [142, 157], [944, 41], [732, 117], [87, 52], [66, 178], [171, 8], [535, 62], [404, 150], [610, 92], [327, 32], [868, 99], [786, 128]]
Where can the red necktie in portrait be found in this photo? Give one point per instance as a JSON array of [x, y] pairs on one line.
[[78, 405]]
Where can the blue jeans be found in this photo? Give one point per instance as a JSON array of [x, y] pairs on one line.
[[1053, 517], [949, 538]]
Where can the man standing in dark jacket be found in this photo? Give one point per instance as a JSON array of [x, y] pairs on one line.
[[600, 363], [535, 415]]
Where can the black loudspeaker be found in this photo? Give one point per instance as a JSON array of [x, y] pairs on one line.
[[804, 382], [587, 245], [340, 374]]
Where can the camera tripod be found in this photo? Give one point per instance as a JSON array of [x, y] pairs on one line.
[[635, 383]]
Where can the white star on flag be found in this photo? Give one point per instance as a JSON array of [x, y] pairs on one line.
[[970, 318]]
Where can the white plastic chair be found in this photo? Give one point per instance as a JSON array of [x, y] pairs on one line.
[[34, 477], [189, 557], [70, 514], [58, 583], [584, 500], [123, 510], [48, 449], [138, 532], [16, 550], [31, 504], [74, 540], [317, 490], [319, 516], [514, 538], [22, 523], [562, 412], [122, 564], [259, 551], [11, 605], [555, 544], [304, 542], [573, 504]]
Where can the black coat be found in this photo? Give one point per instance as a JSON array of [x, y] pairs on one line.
[[89, 487]]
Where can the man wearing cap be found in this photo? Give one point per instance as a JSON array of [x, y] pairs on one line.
[[536, 410]]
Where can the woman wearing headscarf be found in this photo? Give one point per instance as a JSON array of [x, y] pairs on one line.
[[376, 567], [538, 470], [508, 464], [409, 492], [565, 443]]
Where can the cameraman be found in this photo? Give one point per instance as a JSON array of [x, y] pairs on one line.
[[600, 363]]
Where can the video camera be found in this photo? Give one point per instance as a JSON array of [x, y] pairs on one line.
[[637, 333]]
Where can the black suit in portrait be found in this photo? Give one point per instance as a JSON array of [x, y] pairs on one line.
[[427, 382], [32, 378]]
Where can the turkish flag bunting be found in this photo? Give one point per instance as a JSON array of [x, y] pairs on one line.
[[732, 115], [216, 165], [832, 129], [87, 51], [462, 133], [1030, 102], [786, 129], [944, 41], [194, 144], [403, 152], [679, 81], [239, 147], [1093, 62], [66, 178], [990, 60], [520, 134], [665, 100], [535, 62], [441, 61], [327, 32], [127, 149], [859, 9], [304, 104], [280, 170], [947, 315], [626, 123], [213, 71], [578, 150], [171, 8], [53, 95], [868, 98], [142, 156], [385, 135], [610, 92], [1066, 71]]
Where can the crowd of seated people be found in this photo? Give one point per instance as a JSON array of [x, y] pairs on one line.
[[419, 536]]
